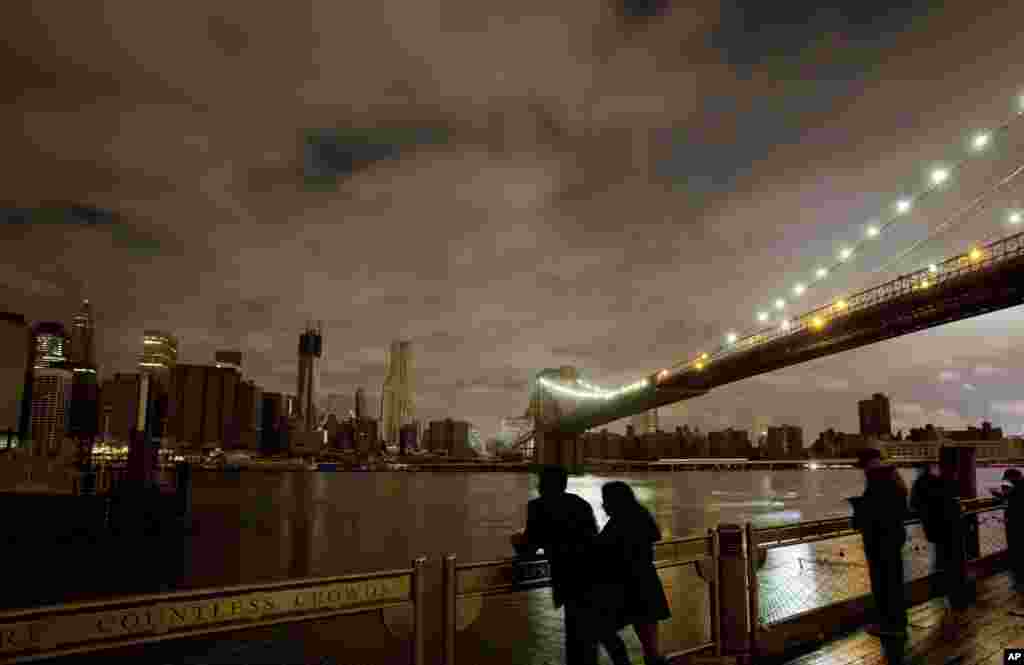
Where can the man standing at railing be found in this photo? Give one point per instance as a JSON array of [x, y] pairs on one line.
[[935, 501], [564, 525], [1014, 517], [879, 514]]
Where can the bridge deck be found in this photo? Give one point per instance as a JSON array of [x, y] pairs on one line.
[[992, 625]]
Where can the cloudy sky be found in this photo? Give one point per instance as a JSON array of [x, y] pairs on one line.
[[511, 186]]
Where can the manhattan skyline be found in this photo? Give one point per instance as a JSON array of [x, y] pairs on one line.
[[616, 197]]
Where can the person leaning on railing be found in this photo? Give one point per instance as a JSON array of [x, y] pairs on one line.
[[879, 514], [1013, 496]]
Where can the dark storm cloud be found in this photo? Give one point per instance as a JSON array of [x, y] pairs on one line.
[[511, 187]]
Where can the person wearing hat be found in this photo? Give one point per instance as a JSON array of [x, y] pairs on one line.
[[879, 515], [1014, 520]]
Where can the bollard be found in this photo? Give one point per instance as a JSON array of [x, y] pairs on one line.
[[733, 593]]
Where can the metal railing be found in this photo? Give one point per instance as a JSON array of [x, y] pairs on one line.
[[80, 628], [825, 577], [467, 583]]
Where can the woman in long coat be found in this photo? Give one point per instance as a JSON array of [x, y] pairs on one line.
[[625, 550]]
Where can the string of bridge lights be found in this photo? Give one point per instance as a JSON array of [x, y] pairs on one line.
[[938, 177]]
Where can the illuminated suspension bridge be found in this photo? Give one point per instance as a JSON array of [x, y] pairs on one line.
[[984, 278]]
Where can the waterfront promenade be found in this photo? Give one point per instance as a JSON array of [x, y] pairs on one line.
[[993, 622]]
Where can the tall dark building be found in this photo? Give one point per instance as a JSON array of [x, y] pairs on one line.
[[83, 342], [16, 351], [51, 345], [310, 350], [875, 416]]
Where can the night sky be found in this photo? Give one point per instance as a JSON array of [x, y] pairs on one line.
[[512, 186]]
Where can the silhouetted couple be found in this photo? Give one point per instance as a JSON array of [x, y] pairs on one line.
[[605, 580]]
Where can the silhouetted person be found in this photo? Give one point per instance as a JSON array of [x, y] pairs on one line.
[[1014, 519], [935, 501], [564, 525], [625, 554], [880, 514]]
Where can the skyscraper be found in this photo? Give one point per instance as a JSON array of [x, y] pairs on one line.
[[396, 398], [646, 422], [310, 350], [83, 331], [50, 344], [16, 343], [51, 395], [360, 406], [159, 351]]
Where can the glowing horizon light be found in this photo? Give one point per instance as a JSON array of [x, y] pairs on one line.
[[785, 325], [780, 303], [903, 205], [932, 268], [981, 140], [1015, 217], [731, 338], [845, 253], [821, 273], [939, 176], [762, 316], [872, 231]]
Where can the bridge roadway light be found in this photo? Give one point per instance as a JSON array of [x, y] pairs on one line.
[[939, 176], [762, 316], [932, 268], [731, 338], [981, 140], [780, 303], [817, 322], [872, 232], [699, 365], [902, 206], [845, 253], [1015, 217], [703, 356], [840, 304], [785, 325], [975, 254], [799, 289], [821, 273]]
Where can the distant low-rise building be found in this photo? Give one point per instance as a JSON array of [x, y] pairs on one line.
[[785, 442]]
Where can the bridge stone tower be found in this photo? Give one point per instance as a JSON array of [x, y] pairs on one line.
[[546, 409]]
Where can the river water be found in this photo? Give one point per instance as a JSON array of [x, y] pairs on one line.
[[256, 526]]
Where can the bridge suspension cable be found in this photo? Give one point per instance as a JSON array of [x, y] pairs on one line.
[[938, 178]]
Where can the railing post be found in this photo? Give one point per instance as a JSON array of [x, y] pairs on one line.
[[448, 590], [714, 595], [753, 599], [418, 611], [732, 590]]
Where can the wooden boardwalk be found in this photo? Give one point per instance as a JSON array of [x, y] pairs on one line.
[[994, 622]]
